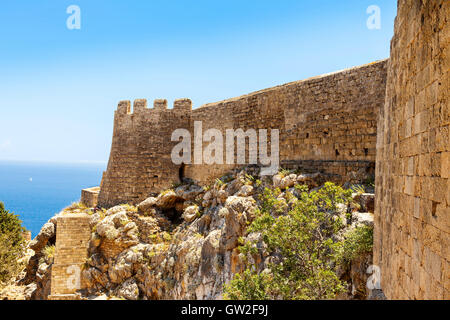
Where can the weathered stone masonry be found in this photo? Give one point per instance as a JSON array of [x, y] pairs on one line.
[[326, 123], [412, 226], [140, 160], [72, 242]]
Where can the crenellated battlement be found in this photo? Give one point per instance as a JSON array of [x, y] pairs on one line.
[[124, 107], [182, 104], [160, 104], [313, 118], [141, 106]]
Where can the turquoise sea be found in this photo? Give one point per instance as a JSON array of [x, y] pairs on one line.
[[37, 190]]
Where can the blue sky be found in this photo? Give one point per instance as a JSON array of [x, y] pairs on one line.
[[60, 87]]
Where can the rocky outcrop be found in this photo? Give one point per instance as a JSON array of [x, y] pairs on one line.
[[38, 269], [181, 244]]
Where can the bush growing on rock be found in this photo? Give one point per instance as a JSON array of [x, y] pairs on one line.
[[357, 242], [11, 244], [49, 251], [303, 244]]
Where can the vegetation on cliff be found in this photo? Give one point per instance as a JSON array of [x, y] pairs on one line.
[[290, 236], [11, 245], [306, 245]]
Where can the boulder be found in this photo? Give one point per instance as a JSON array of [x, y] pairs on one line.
[[210, 249], [222, 196], [128, 290], [115, 210], [147, 204], [120, 270], [190, 213], [284, 182], [245, 191], [107, 229], [167, 200], [363, 218], [47, 232], [208, 195], [188, 192], [30, 291], [288, 181], [277, 180]]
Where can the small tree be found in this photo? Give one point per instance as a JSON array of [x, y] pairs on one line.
[[11, 244], [304, 240]]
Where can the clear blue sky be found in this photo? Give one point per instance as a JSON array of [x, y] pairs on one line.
[[60, 87]]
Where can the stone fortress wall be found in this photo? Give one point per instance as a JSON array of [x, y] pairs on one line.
[[140, 159], [412, 213], [72, 242], [326, 123]]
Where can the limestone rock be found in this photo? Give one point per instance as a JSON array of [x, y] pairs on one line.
[[363, 218], [188, 192], [366, 201], [147, 204], [277, 180], [120, 270], [359, 276], [190, 213], [284, 182], [107, 228], [128, 290], [30, 291], [239, 212], [115, 210], [210, 249], [309, 179], [208, 195], [245, 191], [167, 200], [47, 232]]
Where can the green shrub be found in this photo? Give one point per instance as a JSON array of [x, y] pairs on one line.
[[358, 188], [357, 242], [284, 172], [166, 192], [248, 286], [249, 179], [304, 239], [11, 244], [76, 206], [49, 252], [219, 184], [129, 208]]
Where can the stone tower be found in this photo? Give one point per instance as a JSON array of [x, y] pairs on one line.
[[140, 158], [412, 218]]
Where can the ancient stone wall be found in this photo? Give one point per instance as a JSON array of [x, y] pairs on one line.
[[331, 122], [89, 196], [412, 218], [72, 241], [326, 123], [140, 158]]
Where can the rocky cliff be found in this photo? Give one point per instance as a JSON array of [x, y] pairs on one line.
[[185, 242]]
